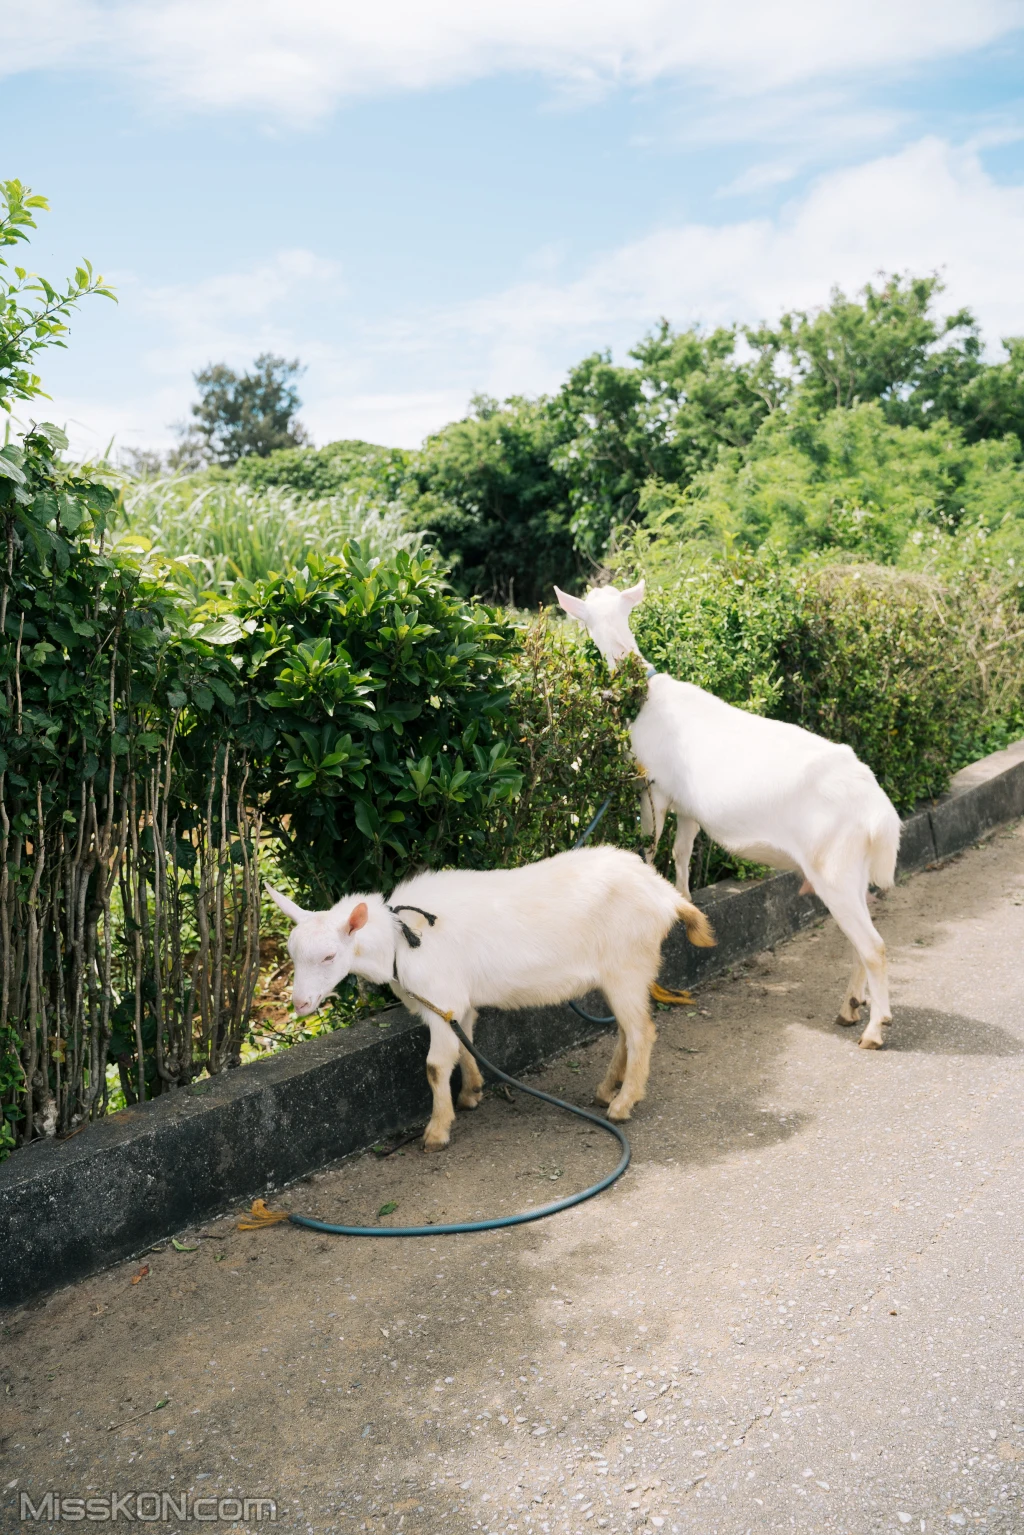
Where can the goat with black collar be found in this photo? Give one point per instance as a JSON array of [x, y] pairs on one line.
[[455, 940]]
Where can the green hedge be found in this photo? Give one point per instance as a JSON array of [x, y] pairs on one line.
[[918, 677]]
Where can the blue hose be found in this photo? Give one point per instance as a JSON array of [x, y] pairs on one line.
[[499, 1222]]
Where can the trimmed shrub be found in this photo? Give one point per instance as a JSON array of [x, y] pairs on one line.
[[875, 660]]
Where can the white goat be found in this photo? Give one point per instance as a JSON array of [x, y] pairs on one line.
[[764, 790], [591, 919]]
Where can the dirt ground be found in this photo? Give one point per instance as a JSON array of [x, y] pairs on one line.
[[801, 1309]]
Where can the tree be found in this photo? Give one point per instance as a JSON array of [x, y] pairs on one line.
[[238, 416], [992, 403], [884, 346], [664, 419], [487, 492], [33, 313]]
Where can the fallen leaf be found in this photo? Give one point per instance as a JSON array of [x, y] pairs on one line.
[[179, 1247], [389, 1208], [140, 1276]]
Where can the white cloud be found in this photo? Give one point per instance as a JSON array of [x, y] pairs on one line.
[[931, 206], [397, 419], [177, 328], [301, 58]]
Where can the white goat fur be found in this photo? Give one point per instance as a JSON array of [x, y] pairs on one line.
[[766, 791], [591, 919]]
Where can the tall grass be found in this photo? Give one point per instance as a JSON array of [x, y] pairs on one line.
[[218, 530]]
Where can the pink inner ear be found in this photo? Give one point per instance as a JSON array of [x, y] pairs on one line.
[[359, 917]]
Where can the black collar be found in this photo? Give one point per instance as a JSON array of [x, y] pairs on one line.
[[412, 939]]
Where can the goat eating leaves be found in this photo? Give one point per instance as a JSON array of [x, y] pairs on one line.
[[763, 789], [457, 940]]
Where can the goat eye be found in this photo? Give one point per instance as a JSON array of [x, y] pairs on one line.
[[327, 959]]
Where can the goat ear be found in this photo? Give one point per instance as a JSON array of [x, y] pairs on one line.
[[358, 918], [634, 594], [574, 606], [289, 908]]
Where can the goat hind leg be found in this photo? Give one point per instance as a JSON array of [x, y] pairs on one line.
[[629, 998], [615, 1073], [849, 906], [472, 1081], [682, 850], [855, 995]]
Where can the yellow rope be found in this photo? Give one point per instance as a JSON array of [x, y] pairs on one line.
[[673, 998], [260, 1216], [448, 1017]]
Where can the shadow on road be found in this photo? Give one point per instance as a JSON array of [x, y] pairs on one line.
[[928, 1031]]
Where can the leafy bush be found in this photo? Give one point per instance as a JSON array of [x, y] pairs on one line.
[[348, 466], [107, 871], [722, 627], [33, 313], [570, 728], [875, 661], [374, 702]]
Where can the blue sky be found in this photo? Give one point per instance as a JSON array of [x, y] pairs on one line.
[[423, 201]]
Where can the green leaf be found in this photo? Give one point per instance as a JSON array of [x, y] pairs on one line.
[[223, 631], [367, 819], [9, 470], [388, 1208]]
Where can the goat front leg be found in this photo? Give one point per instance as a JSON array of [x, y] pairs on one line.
[[682, 850], [472, 1080], [441, 1059]]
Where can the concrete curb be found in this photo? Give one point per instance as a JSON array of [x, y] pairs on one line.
[[70, 1208]]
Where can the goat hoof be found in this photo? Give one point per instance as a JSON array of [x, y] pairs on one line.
[[604, 1095], [619, 1112], [435, 1142], [871, 1044], [468, 1100], [846, 1023]]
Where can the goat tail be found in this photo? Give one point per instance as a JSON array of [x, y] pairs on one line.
[[698, 928], [884, 846]]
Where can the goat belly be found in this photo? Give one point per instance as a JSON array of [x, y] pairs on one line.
[[532, 990]]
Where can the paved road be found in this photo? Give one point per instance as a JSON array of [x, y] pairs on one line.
[[801, 1310]]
